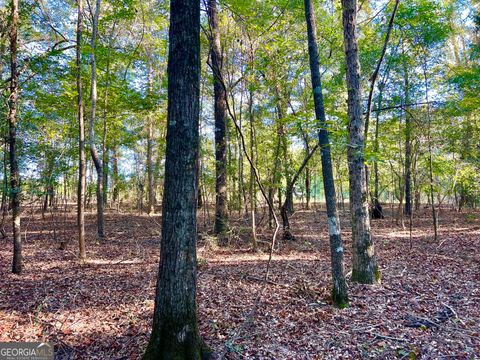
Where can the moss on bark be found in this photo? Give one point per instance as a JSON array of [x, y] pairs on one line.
[[369, 276], [339, 300]]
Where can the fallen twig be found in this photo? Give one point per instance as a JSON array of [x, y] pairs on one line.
[[380, 336], [251, 277]]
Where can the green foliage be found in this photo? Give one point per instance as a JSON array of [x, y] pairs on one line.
[[467, 181], [265, 57]]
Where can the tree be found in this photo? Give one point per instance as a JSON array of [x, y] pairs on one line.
[[408, 148], [288, 202], [93, 107], [12, 125], [377, 210], [175, 333], [81, 137], [365, 269], [339, 290], [220, 95], [150, 143]]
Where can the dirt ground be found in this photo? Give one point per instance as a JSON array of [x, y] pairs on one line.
[[425, 308]]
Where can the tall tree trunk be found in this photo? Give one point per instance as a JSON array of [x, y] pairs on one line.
[[105, 150], [221, 214], [82, 166], [376, 147], [175, 333], [5, 177], [12, 125], [252, 188], [241, 182], [408, 146], [105, 170], [401, 177], [308, 190], [150, 142], [416, 188], [115, 176], [365, 269], [275, 178], [430, 156], [150, 165], [93, 149], [339, 290], [281, 111], [378, 212]]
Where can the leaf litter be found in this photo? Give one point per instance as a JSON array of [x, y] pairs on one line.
[[425, 308]]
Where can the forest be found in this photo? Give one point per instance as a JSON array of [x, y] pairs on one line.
[[240, 179]]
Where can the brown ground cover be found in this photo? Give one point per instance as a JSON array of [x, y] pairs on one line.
[[427, 306]]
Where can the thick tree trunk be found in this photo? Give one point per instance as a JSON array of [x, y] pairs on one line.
[[339, 290], [221, 214], [81, 138], [365, 269], [12, 125], [175, 333]]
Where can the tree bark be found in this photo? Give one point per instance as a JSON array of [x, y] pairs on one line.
[[12, 125], [339, 289], [175, 333], [81, 138], [365, 269], [220, 95]]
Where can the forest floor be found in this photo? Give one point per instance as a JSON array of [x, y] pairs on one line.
[[427, 306]]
